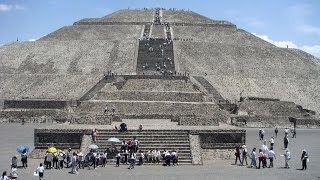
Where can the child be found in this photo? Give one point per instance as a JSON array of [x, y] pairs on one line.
[[40, 171]]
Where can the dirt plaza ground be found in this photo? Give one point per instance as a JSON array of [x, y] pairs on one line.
[[13, 135]]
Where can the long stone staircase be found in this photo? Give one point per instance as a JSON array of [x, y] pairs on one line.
[[177, 140]]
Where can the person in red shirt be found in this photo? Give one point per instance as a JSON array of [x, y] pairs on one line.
[[237, 154]]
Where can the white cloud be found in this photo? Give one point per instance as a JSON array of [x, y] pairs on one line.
[[10, 7], [19, 7], [314, 50], [310, 29], [32, 40], [5, 7]]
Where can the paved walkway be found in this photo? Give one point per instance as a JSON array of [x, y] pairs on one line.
[[13, 135]]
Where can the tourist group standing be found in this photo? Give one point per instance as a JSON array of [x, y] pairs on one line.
[[260, 157]]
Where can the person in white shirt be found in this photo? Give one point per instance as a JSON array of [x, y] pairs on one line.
[[14, 173], [174, 157], [40, 171], [141, 158], [253, 163], [264, 147], [74, 164], [4, 176], [167, 156], [80, 160], [271, 142], [132, 160], [271, 156], [287, 157]]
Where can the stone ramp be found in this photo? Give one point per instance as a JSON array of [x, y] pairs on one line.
[[209, 88], [150, 140]]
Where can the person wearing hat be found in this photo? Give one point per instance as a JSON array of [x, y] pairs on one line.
[[304, 158], [244, 154]]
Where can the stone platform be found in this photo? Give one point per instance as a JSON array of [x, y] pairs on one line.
[[189, 141]]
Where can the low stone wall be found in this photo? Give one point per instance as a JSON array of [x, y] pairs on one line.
[[261, 121], [198, 121], [306, 122], [150, 96], [34, 104], [213, 154], [91, 118], [33, 116], [154, 107], [270, 108]]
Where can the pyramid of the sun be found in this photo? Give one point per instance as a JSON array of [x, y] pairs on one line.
[[68, 62]]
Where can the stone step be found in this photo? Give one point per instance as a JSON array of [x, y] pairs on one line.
[[180, 162], [142, 132], [144, 138], [100, 134], [156, 141]]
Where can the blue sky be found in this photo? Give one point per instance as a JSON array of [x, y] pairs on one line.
[[292, 22]]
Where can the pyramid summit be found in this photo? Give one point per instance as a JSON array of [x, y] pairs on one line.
[[158, 63]]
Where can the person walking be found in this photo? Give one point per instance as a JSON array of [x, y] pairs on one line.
[[294, 133], [262, 134], [132, 160], [40, 171], [244, 154], [118, 159], [304, 159], [237, 154], [276, 132], [271, 142], [287, 157], [285, 142], [271, 156], [24, 159], [253, 158], [14, 173]]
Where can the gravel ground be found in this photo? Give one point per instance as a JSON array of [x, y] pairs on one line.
[[16, 134]]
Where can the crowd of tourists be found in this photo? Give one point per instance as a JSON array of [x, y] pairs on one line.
[[259, 158]]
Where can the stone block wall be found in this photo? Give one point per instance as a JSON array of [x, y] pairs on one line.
[[34, 104], [198, 121], [212, 154], [150, 96], [222, 139], [60, 138], [261, 121], [33, 116], [149, 108]]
